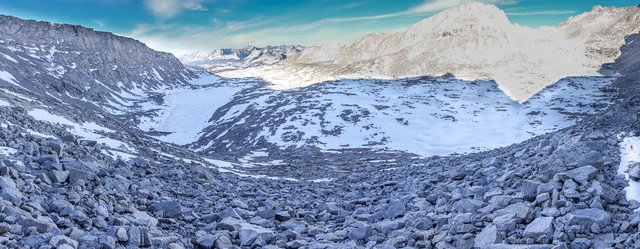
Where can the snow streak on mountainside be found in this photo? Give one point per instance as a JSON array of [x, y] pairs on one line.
[[471, 41], [230, 59]]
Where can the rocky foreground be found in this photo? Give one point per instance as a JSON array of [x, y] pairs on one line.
[[559, 190]]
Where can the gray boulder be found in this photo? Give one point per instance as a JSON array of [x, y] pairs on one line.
[[539, 227], [41, 223], [519, 210], [59, 240], [167, 209], [486, 237], [634, 171], [467, 205], [229, 224], [139, 237], [360, 233], [587, 217], [530, 189], [249, 233], [59, 176], [581, 175], [206, 241], [79, 171], [394, 209]]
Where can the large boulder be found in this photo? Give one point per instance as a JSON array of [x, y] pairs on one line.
[[249, 233], [587, 217], [79, 171], [42, 224], [541, 226], [467, 205], [9, 191], [634, 171], [520, 210], [530, 189], [580, 175], [394, 209], [360, 233], [167, 209], [488, 236]]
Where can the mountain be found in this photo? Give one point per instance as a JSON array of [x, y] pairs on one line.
[[471, 41], [231, 59], [73, 63]]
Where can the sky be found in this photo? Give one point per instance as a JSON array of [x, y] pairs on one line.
[[185, 26]]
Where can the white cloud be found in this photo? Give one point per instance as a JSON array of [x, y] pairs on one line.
[[545, 12], [426, 8], [195, 5], [351, 5], [169, 8], [438, 5], [99, 22]]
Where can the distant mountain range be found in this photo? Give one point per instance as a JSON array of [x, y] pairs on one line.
[[230, 59], [471, 41]]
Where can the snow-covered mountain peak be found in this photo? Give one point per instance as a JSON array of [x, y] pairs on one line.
[[474, 42], [467, 14]]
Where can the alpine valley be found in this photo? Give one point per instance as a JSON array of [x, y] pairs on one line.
[[463, 130]]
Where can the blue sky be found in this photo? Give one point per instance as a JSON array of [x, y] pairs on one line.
[[183, 26]]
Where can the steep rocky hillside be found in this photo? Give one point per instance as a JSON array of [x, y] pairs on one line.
[[77, 64]]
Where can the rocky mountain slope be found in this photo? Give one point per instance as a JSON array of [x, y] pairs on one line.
[[232, 59], [77, 64], [471, 41], [72, 178], [559, 190]]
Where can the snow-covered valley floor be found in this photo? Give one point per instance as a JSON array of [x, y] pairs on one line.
[[425, 116]]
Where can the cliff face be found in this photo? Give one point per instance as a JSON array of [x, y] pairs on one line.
[[69, 60], [627, 66]]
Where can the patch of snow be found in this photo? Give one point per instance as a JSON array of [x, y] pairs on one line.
[[6, 151], [322, 180], [4, 103], [86, 130], [9, 58], [35, 133], [18, 95], [6, 76], [115, 154], [630, 153], [157, 75], [219, 163], [186, 112]]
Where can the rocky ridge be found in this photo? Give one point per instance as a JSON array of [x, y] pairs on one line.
[[219, 60], [77, 64]]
